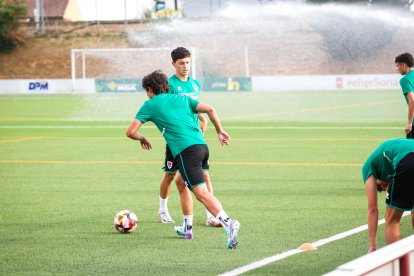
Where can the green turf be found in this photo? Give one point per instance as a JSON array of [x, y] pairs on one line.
[[291, 175]]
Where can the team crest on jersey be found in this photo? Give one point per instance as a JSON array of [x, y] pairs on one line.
[[179, 88], [169, 164], [195, 87]]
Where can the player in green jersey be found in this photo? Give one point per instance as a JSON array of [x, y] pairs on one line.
[[174, 117], [181, 84], [405, 63], [390, 168]]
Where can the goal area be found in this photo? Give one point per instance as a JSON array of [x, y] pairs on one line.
[[122, 64]]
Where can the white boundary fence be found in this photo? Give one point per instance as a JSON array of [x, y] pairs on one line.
[[225, 84], [392, 260]]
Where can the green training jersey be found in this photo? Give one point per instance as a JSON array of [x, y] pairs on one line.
[[407, 84], [174, 117], [383, 162], [189, 88]]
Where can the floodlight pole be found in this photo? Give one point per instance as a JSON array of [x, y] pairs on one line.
[[37, 16], [246, 58], [42, 16], [125, 13]]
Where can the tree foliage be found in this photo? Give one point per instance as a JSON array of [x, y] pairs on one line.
[[10, 12]]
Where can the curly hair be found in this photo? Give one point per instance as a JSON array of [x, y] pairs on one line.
[[157, 81], [180, 53], [405, 58]]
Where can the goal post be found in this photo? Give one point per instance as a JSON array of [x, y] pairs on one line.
[[121, 64]]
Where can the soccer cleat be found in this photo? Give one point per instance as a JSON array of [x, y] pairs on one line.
[[165, 217], [232, 239], [180, 232], [213, 222]]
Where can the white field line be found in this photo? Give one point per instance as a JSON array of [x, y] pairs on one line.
[[228, 127], [292, 252]]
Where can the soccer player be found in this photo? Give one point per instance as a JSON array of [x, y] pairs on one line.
[[390, 168], [181, 84], [405, 63], [174, 117]]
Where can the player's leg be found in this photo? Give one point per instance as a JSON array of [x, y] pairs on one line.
[[211, 219], [214, 206], [412, 219], [392, 224], [187, 207], [185, 196], [400, 197], [170, 168], [190, 163]]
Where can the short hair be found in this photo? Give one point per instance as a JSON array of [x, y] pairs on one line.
[[405, 58], [157, 81], [180, 53]]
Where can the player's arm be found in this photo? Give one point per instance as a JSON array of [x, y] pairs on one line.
[[371, 190], [410, 97], [203, 122], [214, 118], [132, 132]]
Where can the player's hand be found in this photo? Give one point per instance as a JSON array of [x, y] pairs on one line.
[[145, 143], [203, 126], [224, 138], [408, 128]]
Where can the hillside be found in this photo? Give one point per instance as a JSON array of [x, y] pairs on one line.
[[311, 42]]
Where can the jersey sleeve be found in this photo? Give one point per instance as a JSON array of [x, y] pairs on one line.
[[144, 114], [367, 170]]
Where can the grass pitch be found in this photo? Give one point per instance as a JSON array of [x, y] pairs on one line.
[[291, 175]]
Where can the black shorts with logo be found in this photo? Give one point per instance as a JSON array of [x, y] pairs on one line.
[[170, 166], [191, 163], [400, 194]]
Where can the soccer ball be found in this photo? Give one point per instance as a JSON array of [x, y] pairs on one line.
[[125, 221]]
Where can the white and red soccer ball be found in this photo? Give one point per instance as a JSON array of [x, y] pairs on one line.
[[125, 221]]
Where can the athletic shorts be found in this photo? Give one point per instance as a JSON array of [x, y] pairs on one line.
[[170, 166], [400, 194], [191, 163], [410, 135]]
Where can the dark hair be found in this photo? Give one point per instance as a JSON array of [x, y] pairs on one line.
[[180, 53], [157, 81], [405, 58]]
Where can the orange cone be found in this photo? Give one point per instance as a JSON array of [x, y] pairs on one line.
[[307, 246]]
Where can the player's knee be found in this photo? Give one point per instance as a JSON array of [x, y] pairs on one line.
[[202, 194], [169, 177]]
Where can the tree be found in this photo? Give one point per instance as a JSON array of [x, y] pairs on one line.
[[10, 11]]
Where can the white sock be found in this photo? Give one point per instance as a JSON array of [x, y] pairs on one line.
[[224, 219], [209, 215], [164, 205], [188, 223]]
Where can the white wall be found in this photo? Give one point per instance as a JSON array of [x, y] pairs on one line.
[[107, 10], [258, 84], [45, 86], [326, 82]]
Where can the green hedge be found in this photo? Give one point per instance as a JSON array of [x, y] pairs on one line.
[[10, 12]]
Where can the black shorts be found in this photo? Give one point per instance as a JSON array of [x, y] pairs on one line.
[[170, 166], [410, 135], [400, 194], [192, 162]]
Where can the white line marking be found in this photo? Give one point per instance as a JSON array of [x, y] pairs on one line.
[[289, 253], [228, 127]]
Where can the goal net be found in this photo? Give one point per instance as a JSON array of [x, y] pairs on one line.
[[126, 65]]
